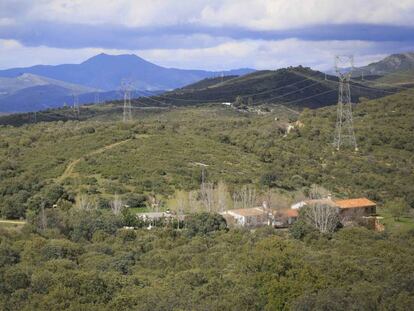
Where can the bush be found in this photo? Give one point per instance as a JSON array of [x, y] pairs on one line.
[[136, 200], [204, 223], [300, 229]]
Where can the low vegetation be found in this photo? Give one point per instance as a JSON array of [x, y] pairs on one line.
[[70, 179], [79, 260]]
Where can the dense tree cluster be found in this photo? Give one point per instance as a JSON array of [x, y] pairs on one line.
[[85, 260]]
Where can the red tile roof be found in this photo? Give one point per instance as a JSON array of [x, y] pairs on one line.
[[355, 203], [291, 212]]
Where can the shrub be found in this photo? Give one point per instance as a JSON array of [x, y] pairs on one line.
[[204, 223]]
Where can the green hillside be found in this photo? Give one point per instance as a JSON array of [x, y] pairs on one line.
[[157, 152], [79, 257], [206, 83], [398, 78], [295, 86]]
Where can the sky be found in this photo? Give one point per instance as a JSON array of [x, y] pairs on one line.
[[205, 34]]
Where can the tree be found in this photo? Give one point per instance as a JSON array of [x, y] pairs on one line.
[[136, 200], [239, 101], [245, 198], [250, 102], [397, 207], [207, 195], [116, 205], [128, 219], [318, 192], [84, 202], [223, 197], [321, 215], [300, 229], [204, 223]]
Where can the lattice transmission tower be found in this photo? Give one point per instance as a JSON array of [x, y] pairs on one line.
[[76, 105], [344, 130], [126, 89], [97, 100]]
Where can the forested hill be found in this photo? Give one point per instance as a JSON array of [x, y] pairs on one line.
[[240, 148], [293, 86], [71, 257]]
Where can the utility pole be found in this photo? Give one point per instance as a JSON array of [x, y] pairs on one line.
[[344, 130], [126, 89]]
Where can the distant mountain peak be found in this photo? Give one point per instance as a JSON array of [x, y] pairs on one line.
[[103, 57], [391, 63], [102, 72]]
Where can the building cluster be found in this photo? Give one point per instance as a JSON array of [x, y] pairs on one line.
[[350, 211]]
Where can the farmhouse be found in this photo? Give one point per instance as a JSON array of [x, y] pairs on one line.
[[360, 210], [360, 206], [246, 217], [154, 216], [260, 216]]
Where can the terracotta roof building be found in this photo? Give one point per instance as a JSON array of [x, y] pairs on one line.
[[355, 203], [359, 206]]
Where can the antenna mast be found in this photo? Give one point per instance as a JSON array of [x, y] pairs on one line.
[[344, 130]]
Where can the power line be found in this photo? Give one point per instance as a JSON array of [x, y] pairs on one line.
[[389, 84], [388, 73], [246, 95], [290, 93], [315, 95], [371, 88]]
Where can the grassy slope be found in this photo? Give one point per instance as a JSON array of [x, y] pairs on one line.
[[240, 148], [400, 77], [293, 86]]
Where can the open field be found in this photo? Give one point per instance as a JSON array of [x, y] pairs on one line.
[[404, 224]]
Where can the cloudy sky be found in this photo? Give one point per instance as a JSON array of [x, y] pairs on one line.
[[205, 34]]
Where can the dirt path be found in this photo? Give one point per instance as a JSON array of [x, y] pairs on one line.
[[12, 222], [69, 169]]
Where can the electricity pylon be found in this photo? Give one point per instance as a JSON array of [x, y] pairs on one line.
[[126, 89], [76, 105], [344, 130], [97, 99]]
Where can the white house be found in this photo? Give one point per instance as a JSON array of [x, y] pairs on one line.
[[247, 217]]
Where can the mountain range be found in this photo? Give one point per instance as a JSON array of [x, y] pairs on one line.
[[37, 87], [43, 86]]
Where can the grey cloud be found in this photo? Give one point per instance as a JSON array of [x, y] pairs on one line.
[[186, 36]]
